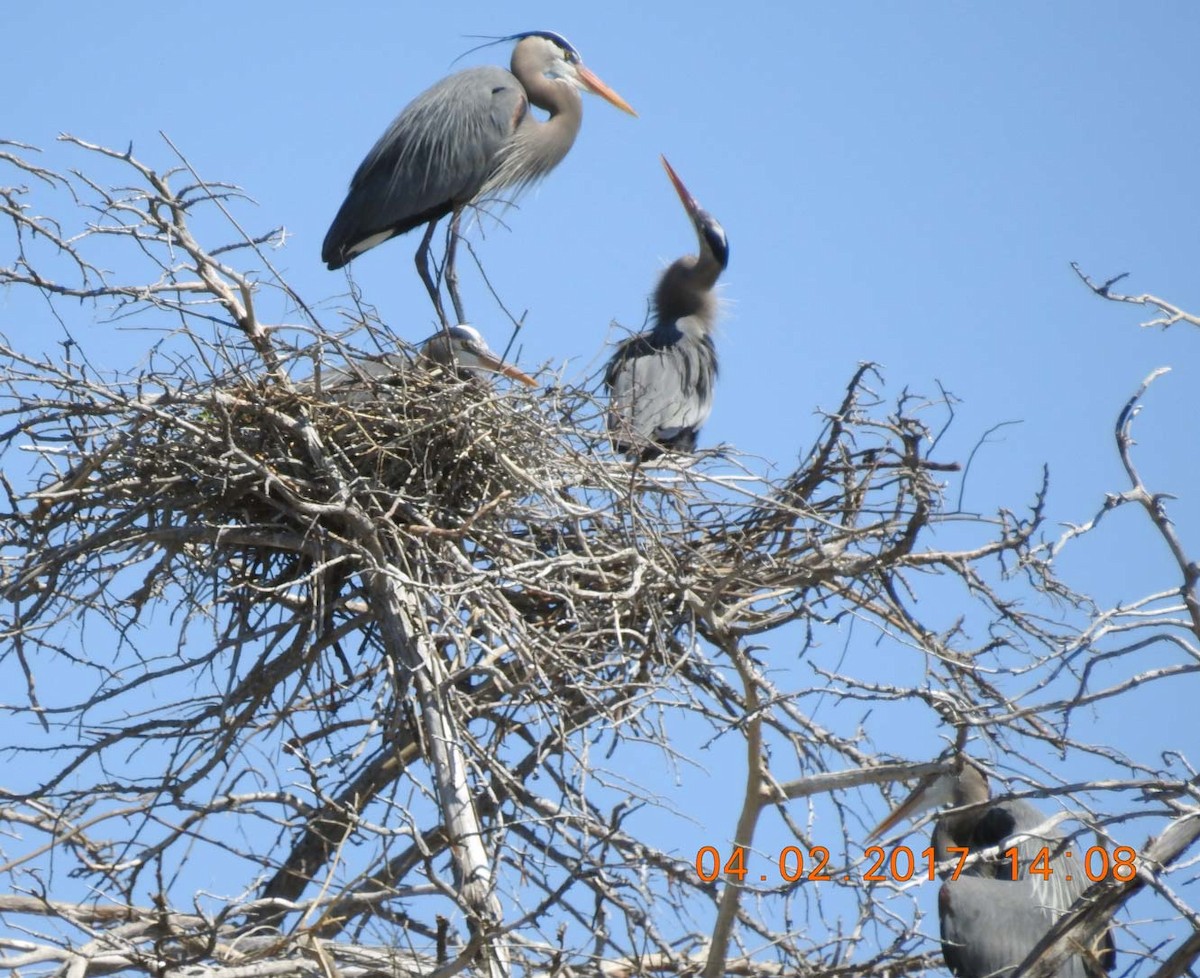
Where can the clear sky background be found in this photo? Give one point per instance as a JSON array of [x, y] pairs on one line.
[[904, 183], [901, 183]]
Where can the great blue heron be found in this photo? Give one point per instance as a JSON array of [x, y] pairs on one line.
[[660, 382], [459, 142], [458, 349], [991, 922], [464, 349]]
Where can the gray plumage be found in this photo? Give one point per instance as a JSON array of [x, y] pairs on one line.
[[989, 921], [436, 155], [461, 350], [461, 141], [660, 382], [376, 368]]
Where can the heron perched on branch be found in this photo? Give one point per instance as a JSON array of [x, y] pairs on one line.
[[660, 382], [458, 143], [990, 921]]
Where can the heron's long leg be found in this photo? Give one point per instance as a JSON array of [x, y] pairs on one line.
[[451, 269], [422, 259]]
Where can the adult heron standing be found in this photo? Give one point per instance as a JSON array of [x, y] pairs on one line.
[[991, 922], [660, 382], [457, 143]]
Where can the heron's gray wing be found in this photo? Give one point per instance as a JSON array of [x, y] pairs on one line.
[[660, 393], [436, 154], [1042, 848], [1051, 876], [1068, 878], [378, 369], [990, 926]]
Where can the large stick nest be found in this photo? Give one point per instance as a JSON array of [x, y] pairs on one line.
[[290, 491]]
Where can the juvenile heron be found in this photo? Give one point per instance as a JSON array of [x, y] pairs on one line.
[[660, 382], [460, 350], [465, 350], [991, 922], [458, 143]]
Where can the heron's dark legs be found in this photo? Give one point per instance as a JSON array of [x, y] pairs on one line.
[[451, 269], [422, 260]]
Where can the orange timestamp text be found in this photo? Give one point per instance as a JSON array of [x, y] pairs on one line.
[[900, 864]]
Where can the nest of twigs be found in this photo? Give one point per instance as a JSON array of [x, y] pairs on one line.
[[416, 445], [506, 511], [291, 490]]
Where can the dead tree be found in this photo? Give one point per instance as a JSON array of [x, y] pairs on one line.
[[318, 669]]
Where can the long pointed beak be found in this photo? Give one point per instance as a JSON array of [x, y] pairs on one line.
[[922, 798], [597, 87], [495, 364], [714, 245], [691, 205]]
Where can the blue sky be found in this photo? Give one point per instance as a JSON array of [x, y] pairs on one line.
[[901, 183]]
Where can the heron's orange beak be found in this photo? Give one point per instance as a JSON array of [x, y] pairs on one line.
[[923, 797], [689, 202], [495, 364], [597, 87], [510, 371]]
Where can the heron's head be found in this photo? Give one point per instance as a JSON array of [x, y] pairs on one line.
[[464, 347], [552, 55], [714, 245], [965, 784]]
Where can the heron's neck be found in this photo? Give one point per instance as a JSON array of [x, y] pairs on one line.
[[695, 322], [684, 301], [553, 138], [959, 828]]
